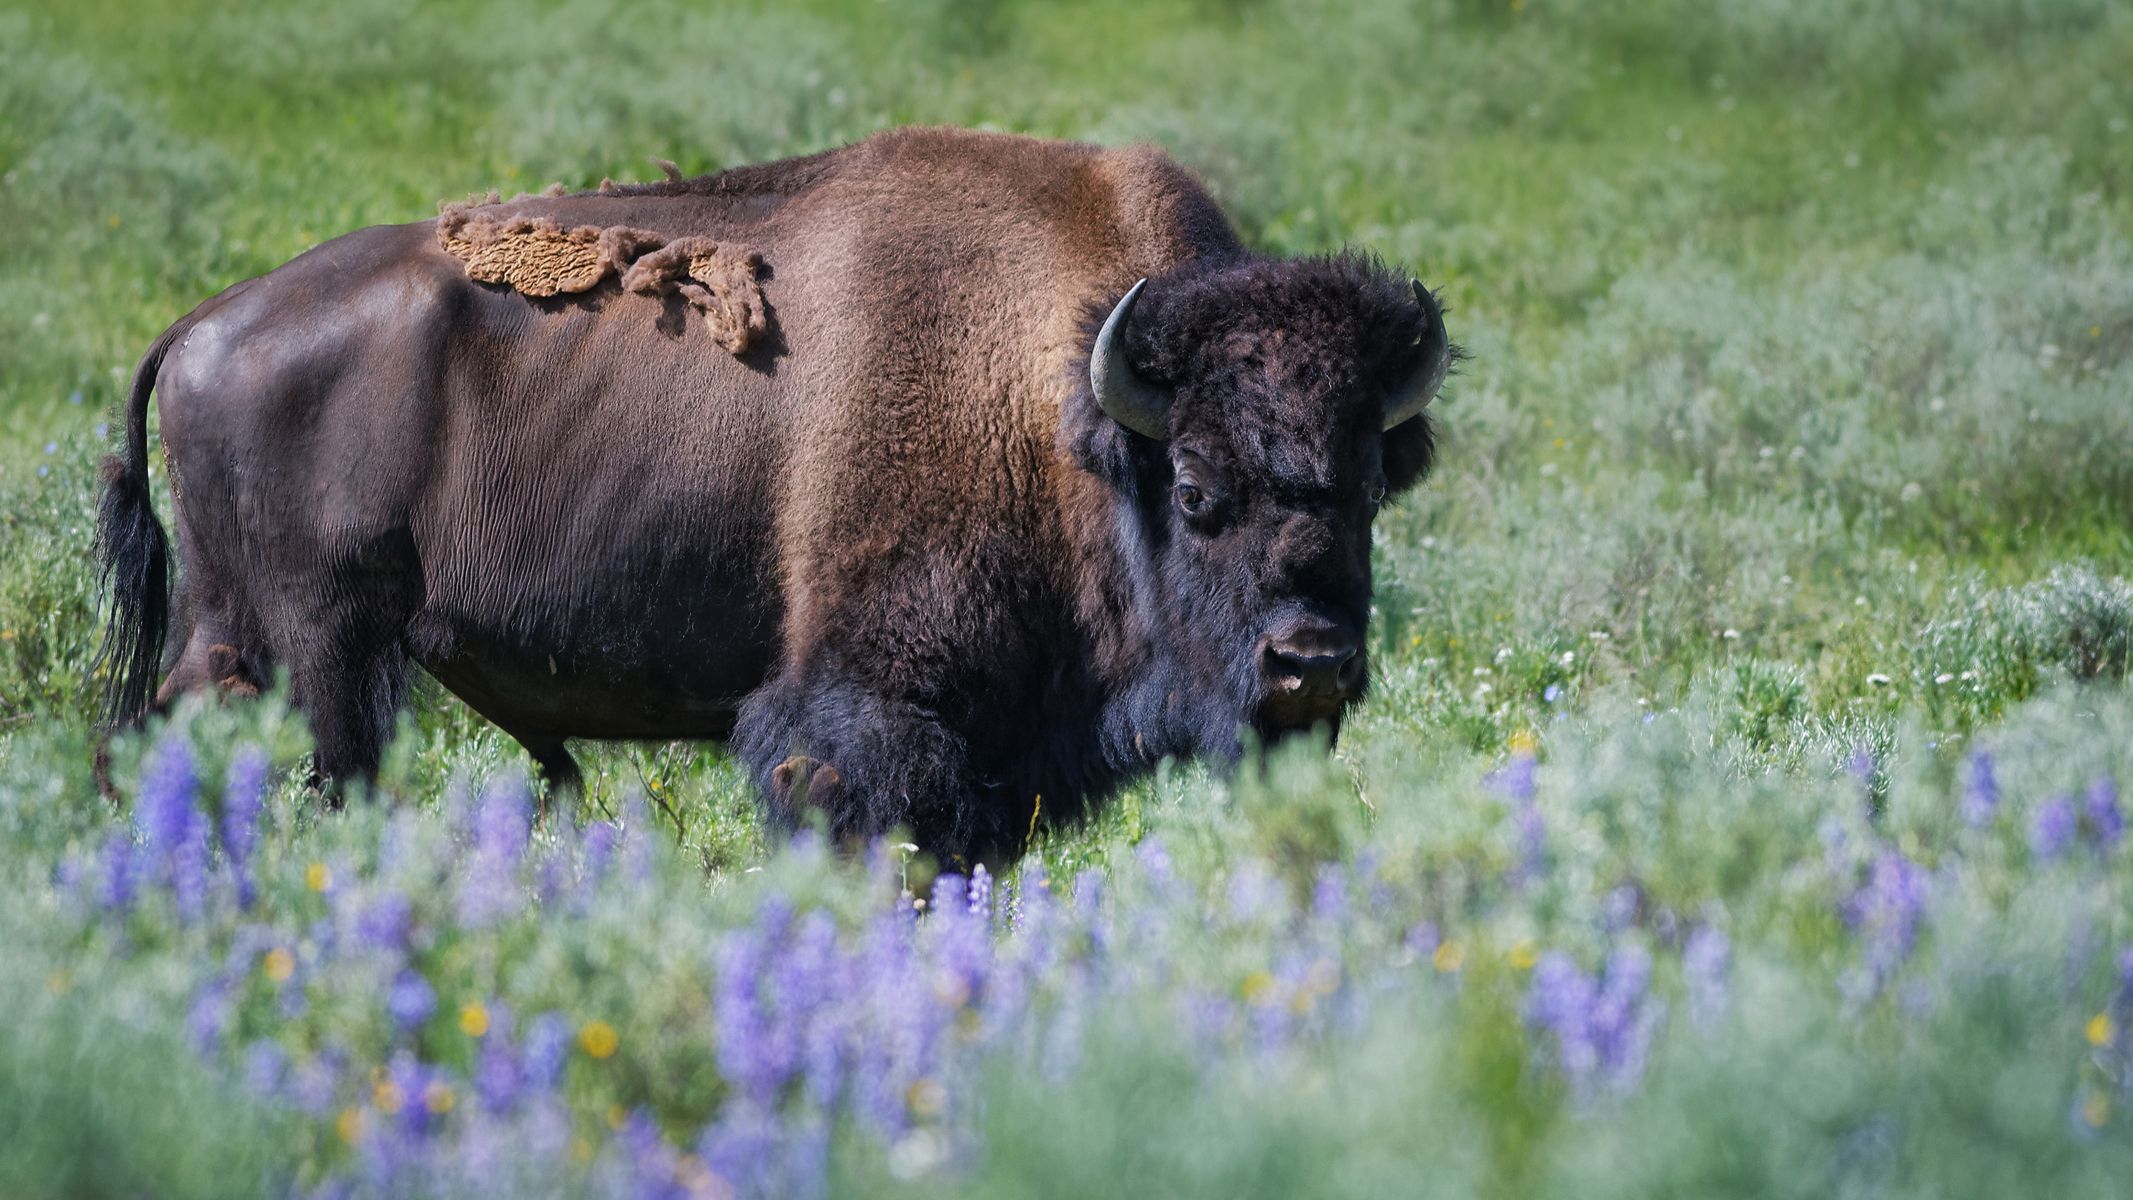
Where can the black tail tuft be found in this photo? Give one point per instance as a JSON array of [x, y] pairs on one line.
[[136, 570], [135, 557]]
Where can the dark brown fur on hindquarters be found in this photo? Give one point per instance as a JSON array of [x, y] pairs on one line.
[[882, 520]]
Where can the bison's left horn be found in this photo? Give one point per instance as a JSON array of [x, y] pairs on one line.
[[1126, 398], [1411, 397]]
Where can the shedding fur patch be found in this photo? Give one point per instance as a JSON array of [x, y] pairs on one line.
[[537, 256]]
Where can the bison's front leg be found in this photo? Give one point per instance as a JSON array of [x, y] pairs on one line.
[[828, 750]]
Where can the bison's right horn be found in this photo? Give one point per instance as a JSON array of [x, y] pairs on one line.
[[1414, 394], [1126, 398]]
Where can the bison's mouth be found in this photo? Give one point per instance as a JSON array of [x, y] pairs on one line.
[[1283, 714]]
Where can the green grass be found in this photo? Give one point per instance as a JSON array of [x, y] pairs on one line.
[[1798, 410]]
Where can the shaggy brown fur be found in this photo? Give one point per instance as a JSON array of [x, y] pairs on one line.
[[718, 279], [538, 256]]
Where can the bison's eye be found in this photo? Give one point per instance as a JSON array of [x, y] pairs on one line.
[[1191, 500], [1376, 493]]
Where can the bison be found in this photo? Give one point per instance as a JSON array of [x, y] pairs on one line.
[[1004, 471]]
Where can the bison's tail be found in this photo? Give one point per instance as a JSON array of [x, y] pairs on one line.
[[135, 558]]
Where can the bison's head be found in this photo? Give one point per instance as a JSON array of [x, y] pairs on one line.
[[1253, 417]]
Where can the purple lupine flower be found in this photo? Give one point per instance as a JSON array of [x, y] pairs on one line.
[[754, 1052], [962, 959], [1602, 1028], [641, 1164], [266, 1065], [2105, 823], [411, 1078], [2053, 828], [499, 1075], [1618, 909], [244, 792], [211, 1015], [1532, 842], [811, 978], [243, 795], [174, 833], [1423, 939], [1560, 1001], [410, 1000], [600, 839], [1089, 891], [387, 922], [546, 1051], [1861, 765], [1154, 858], [1329, 895], [981, 892], [901, 1021], [491, 891], [1254, 893], [119, 871], [1706, 961], [1887, 911], [741, 1147], [316, 1082], [1625, 1019], [1518, 779], [165, 810], [1981, 791]]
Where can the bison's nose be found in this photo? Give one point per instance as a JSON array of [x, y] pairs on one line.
[[1314, 662]]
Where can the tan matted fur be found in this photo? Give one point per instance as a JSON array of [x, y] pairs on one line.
[[537, 256]]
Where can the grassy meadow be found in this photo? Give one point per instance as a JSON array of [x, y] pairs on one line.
[[1737, 813]]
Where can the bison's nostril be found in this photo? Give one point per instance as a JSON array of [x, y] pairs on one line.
[[1322, 665], [1352, 672]]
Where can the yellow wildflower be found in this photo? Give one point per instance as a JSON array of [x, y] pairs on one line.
[[386, 1097], [349, 1124], [926, 1098], [598, 1038], [279, 964], [2096, 1109], [318, 877], [2100, 1029], [1523, 742], [1257, 984], [438, 1098], [1524, 954], [474, 1019], [1450, 956]]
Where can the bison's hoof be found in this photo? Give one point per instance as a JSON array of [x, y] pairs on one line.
[[800, 782]]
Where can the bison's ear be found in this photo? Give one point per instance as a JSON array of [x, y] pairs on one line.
[[1410, 449]]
